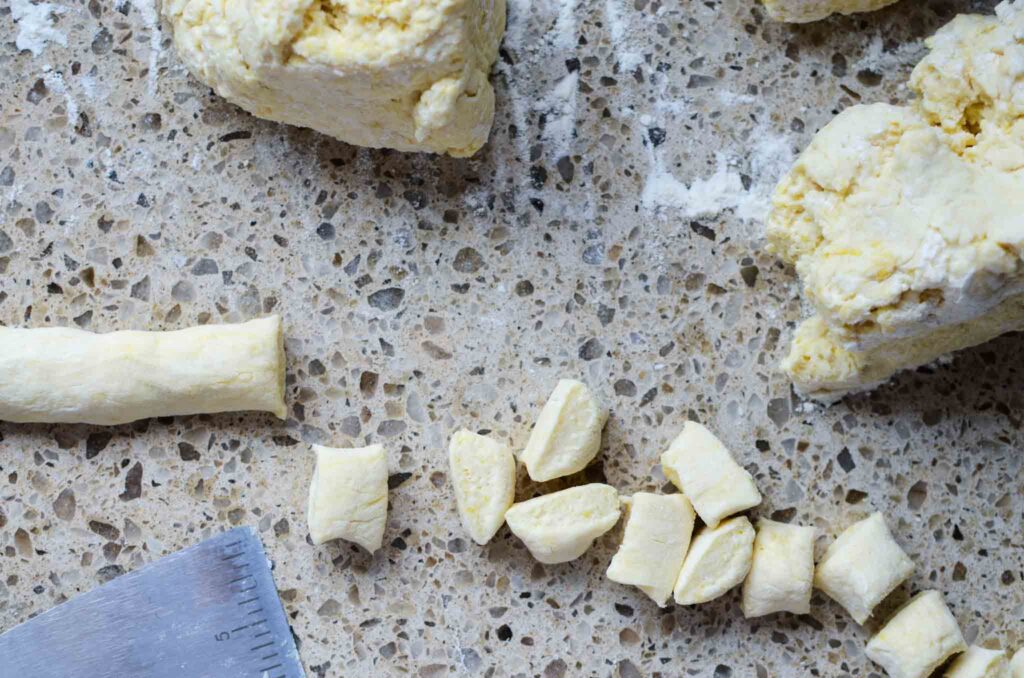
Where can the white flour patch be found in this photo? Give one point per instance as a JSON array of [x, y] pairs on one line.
[[876, 59], [565, 24], [629, 58], [147, 10], [55, 82], [770, 157], [559, 109], [711, 195], [151, 18], [37, 25]]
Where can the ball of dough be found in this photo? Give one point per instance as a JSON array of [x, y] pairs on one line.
[[404, 74]]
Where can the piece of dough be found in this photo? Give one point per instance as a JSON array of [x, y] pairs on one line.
[[1017, 664], [918, 639], [654, 543], [405, 74], [803, 11], [906, 223], [348, 496], [63, 375], [701, 467], [719, 558], [979, 662], [484, 477], [567, 435], [781, 571], [561, 526], [862, 566]]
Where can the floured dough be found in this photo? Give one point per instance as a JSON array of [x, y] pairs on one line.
[[906, 224], [63, 375], [405, 74], [348, 496], [803, 11]]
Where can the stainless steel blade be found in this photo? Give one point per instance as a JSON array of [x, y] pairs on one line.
[[211, 610]]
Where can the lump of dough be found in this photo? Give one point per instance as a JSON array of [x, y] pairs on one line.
[[862, 566], [405, 74], [484, 476], [561, 526], [803, 11], [979, 662], [567, 435], [918, 639], [64, 375], [348, 496], [701, 467], [906, 223], [781, 571], [719, 558], [654, 543]]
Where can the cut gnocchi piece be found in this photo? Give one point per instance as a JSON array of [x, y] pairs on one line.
[[484, 476], [918, 639], [561, 526], [1017, 664], [719, 558], [348, 496], [567, 435], [978, 662], [863, 566], [781, 570], [654, 543], [701, 467]]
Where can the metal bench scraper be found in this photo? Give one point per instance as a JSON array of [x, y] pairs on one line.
[[211, 610]]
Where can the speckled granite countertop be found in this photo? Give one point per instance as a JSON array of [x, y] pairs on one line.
[[609, 231]]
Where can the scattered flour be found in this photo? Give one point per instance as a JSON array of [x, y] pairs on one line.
[[148, 12], [559, 109], [55, 82], [878, 60], [565, 24], [151, 18], [628, 58], [770, 157], [37, 25]]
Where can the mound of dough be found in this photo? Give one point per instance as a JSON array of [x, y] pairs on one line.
[[404, 74], [906, 224], [804, 11]]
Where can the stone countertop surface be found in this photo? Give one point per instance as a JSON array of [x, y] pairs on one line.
[[611, 231]]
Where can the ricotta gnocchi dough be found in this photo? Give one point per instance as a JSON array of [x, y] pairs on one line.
[[654, 543], [918, 639], [63, 375], [804, 11], [483, 474], [906, 223], [862, 566], [348, 496], [979, 662], [561, 526], [405, 74]]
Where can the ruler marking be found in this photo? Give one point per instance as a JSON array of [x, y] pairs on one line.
[[240, 553], [248, 589], [261, 634], [260, 647], [272, 654], [240, 628], [245, 576], [233, 544], [275, 666], [257, 611], [250, 600]]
